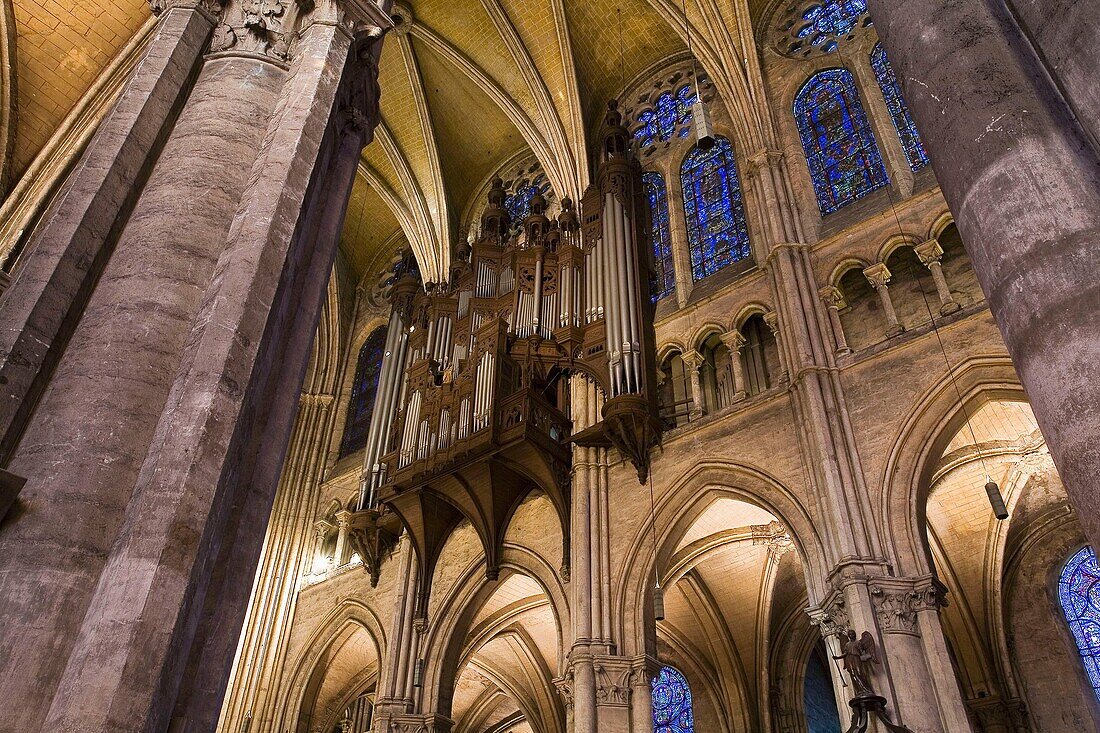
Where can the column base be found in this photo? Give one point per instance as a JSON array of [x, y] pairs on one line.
[[895, 331], [950, 307]]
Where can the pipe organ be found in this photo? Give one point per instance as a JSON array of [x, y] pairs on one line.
[[475, 411]]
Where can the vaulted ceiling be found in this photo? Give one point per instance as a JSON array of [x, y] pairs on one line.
[[468, 85]]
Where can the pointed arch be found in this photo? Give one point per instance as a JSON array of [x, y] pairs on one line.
[[1078, 591], [714, 208], [841, 151]]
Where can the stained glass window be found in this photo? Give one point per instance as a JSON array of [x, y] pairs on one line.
[[717, 232], [669, 112], [518, 202], [665, 280], [363, 390], [1079, 592], [830, 18], [899, 110], [843, 156], [672, 703]]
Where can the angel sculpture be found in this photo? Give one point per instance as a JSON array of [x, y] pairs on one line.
[[860, 657]]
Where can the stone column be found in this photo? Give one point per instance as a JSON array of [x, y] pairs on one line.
[[68, 250], [734, 341], [931, 256], [693, 362], [987, 109], [641, 694], [879, 277], [125, 572], [771, 319], [340, 555], [834, 303], [393, 696]]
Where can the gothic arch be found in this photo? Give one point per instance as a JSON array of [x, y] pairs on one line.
[[747, 311], [705, 331], [924, 434], [445, 643], [346, 619], [676, 510], [896, 242]]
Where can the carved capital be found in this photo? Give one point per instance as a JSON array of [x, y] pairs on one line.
[[564, 686], [772, 319], [211, 8], [692, 359], [612, 682], [764, 159], [929, 252], [831, 617], [733, 341], [878, 275], [833, 298]]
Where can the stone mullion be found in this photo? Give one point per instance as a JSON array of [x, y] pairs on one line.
[[893, 153], [677, 226], [879, 278]]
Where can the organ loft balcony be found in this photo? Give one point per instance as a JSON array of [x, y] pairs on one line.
[[473, 410]]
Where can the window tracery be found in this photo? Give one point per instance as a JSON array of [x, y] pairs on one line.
[[368, 368], [1079, 594], [717, 231], [672, 703], [662, 113], [665, 280], [899, 110], [841, 150], [819, 26], [669, 116]]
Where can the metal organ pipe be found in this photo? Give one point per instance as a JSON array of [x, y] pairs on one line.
[[536, 298], [392, 375], [633, 316]]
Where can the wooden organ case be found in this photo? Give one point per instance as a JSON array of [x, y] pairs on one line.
[[473, 405]]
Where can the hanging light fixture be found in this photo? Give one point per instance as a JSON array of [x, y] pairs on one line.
[[700, 115], [996, 501], [418, 673], [658, 602]]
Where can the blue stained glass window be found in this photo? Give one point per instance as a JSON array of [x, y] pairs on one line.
[[899, 110], [367, 370], [717, 232], [672, 703], [518, 203], [665, 280], [843, 156], [1079, 593], [830, 18], [669, 113]]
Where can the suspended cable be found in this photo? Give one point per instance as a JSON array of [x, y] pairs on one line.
[[992, 490]]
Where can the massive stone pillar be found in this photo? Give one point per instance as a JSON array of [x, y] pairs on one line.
[[155, 339], [1022, 176]]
